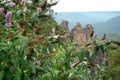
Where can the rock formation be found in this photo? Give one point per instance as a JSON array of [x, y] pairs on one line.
[[82, 35], [65, 26]]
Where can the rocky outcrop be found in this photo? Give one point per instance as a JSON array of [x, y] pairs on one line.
[[64, 25], [82, 35], [89, 30]]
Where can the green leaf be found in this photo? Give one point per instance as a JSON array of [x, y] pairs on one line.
[[23, 45], [87, 54], [103, 49], [12, 49], [1, 75], [35, 16], [18, 75], [18, 13], [21, 51], [81, 55]]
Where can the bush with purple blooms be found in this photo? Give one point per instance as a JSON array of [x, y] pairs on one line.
[[33, 46], [25, 26]]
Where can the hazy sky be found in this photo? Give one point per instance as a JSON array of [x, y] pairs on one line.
[[87, 5]]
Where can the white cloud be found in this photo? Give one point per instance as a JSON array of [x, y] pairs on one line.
[[87, 5]]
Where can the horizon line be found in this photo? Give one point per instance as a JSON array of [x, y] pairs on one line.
[[83, 11]]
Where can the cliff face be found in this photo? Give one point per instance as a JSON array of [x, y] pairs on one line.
[[82, 35], [65, 26]]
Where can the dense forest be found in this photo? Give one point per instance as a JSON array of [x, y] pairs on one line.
[[33, 46]]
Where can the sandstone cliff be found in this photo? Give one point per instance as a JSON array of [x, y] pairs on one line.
[[80, 35]]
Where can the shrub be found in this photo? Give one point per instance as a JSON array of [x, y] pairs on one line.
[[33, 46]]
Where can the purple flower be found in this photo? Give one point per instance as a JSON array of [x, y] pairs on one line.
[[1, 10], [39, 9], [8, 25], [36, 63], [8, 19], [10, 4], [13, 68]]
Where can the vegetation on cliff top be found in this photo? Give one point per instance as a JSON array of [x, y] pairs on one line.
[[34, 47]]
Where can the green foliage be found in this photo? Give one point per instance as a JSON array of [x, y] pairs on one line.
[[114, 69], [30, 51]]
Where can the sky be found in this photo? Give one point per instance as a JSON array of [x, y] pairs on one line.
[[86, 5]]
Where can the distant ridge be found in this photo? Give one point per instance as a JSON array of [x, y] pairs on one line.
[[103, 22], [109, 26]]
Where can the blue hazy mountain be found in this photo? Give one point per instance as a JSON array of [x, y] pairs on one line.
[[103, 22], [110, 26]]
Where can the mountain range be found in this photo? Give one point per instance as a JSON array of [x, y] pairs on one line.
[[103, 22], [109, 26]]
